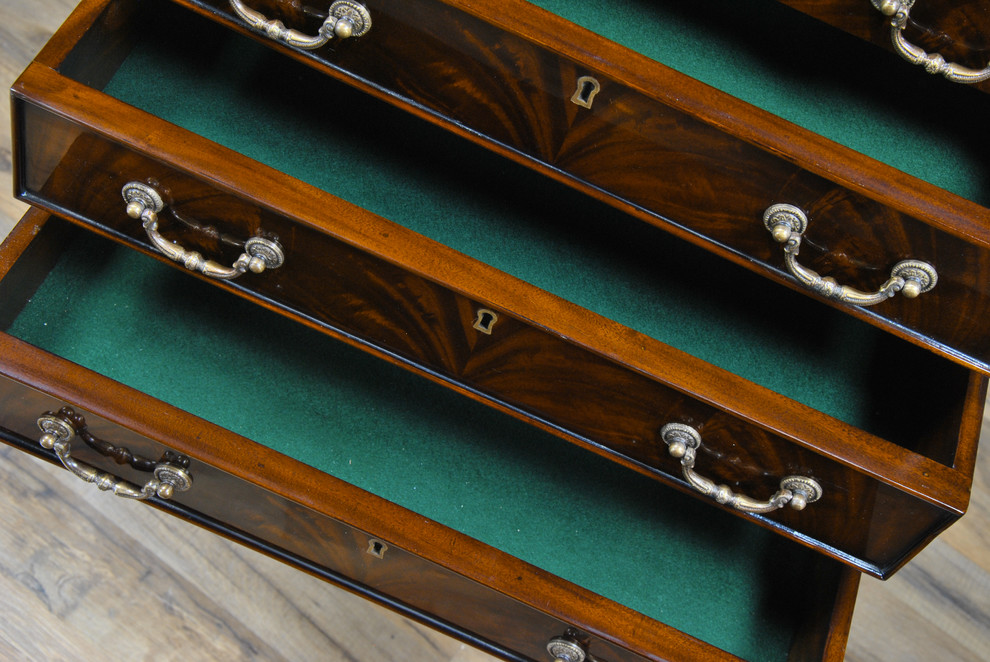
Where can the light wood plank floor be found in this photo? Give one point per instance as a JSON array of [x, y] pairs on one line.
[[85, 576]]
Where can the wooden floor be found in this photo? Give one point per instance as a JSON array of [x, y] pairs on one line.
[[86, 576]]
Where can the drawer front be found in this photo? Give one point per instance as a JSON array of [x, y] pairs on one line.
[[671, 152], [371, 546], [511, 358]]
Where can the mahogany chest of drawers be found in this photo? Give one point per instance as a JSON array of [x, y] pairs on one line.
[[478, 355]]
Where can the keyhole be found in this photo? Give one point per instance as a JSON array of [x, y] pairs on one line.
[[377, 548], [587, 88], [485, 320]]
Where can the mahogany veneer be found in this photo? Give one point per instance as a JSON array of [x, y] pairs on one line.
[[687, 159], [412, 301], [668, 149]]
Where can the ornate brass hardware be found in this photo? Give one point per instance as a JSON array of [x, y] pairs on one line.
[[909, 277], [566, 649], [58, 431], [144, 204], [587, 88], [899, 13], [484, 320], [795, 491], [345, 19], [377, 548]]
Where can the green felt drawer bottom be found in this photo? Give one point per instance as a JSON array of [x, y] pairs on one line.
[[419, 445], [240, 94]]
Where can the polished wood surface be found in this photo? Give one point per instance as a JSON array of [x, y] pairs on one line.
[[653, 135], [544, 354], [531, 364], [936, 608]]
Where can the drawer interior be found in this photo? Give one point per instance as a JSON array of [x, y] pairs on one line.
[[372, 424], [804, 71], [244, 96]]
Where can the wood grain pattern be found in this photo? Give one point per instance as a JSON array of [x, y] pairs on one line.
[[305, 512], [660, 146], [936, 608], [71, 594], [153, 580], [377, 296]]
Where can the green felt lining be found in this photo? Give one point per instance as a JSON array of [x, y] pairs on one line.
[[420, 445], [809, 73], [255, 101]]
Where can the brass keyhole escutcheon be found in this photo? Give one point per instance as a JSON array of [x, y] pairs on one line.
[[377, 548], [587, 88], [485, 320]]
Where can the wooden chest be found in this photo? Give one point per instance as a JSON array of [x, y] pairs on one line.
[[500, 292]]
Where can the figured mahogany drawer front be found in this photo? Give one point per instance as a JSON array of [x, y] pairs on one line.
[[597, 383], [674, 153], [489, 351]]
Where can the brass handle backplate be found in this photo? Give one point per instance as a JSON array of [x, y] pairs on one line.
[[346, 19], [57, 433], [787, 224], [566, 649], [795, 491], [899, 13], [144, 203]]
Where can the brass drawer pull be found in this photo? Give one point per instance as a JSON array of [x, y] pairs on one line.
[[909, 277], [899, 13], [566, 649], [346, 19], [57, 433], [795, 491], [144, 203]]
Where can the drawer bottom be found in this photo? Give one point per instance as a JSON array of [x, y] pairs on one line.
[[367, 422], [371, 155]]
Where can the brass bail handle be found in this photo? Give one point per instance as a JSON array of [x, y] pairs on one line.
[[787, 224], [144, 204], [899, 13], [57, 433], [346, 19], [795, 491]]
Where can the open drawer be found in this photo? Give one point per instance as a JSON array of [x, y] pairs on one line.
[[162, 387], [701, 118], [476, 273]]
